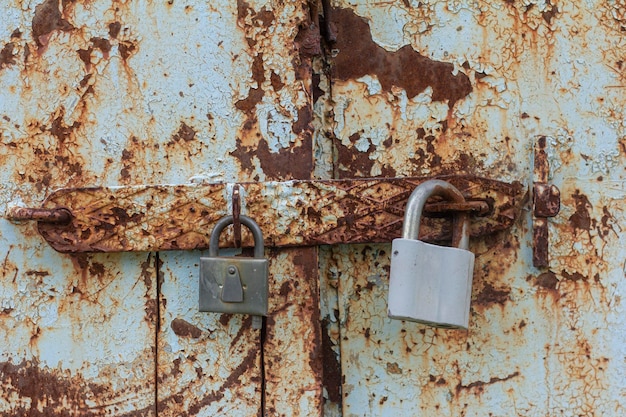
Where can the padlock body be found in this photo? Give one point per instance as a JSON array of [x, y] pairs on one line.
[[430, 284], [253, 273]]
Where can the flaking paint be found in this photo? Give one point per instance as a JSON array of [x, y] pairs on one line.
[[541, 341], [127, 93]]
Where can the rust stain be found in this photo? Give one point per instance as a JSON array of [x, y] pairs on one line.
[[547, 280], [540, 243], [358, 164], [127, 48], [489, 295], [183, 328], [331, 370], [255, 94], [581, 219], [277, 83], [359, 55], [114, 29], [6, 55], [295, 161], [127, 163], [200, 402], [103, 45], [574, 276], [307, 263], [47, 19], [50, 391], [529, 14], [308, 40], [264, 19], [295, 307], [478, 386], [607, 225], [148, 274], [550, 14], [287, 163], [394, 368], [185, 133], [59, 129]]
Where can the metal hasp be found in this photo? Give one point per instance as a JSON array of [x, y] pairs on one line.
[[290, 213], [431, 284], [59, 216], [546, 203], [235, 284]]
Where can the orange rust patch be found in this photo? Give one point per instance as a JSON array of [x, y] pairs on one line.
[[184, 133], [255, 95], [183, 328], [126, 48], [6, 55], [46, 20], [54, 393], [581, 220], [490, 295], [359, 55], [114, 29], [547, 280]]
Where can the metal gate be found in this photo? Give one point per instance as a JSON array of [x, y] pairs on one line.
[[141, 119]]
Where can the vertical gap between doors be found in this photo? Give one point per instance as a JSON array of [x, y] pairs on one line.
[[157, 262]]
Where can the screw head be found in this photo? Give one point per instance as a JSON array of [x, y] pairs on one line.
[[232, 270]]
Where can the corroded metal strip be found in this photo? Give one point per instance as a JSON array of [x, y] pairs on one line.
[[292, 213], [546, 202]]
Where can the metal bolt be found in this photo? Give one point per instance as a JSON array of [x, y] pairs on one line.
[[231, 270]]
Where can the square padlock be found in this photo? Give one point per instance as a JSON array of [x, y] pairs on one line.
[[220, 285], [234, 284]]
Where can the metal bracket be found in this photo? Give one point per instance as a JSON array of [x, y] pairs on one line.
[[291, 213], [546, 203]]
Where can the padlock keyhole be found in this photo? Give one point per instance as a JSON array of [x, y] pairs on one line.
[[232, 290]]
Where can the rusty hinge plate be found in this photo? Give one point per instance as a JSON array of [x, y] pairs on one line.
[[292, 213], [546, 203]]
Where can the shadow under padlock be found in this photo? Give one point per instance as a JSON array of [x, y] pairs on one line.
[[236, 285], [431, 284]]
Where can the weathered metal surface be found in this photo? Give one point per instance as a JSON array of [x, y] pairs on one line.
[[292, 343], [294, 213], [109, 92], [208, 364], [546, 203], [78, 332], [493, 78], [114, 93], [284, 150], [265, 133]]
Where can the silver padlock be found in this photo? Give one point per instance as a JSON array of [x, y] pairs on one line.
[[235, 284], [428, 283]]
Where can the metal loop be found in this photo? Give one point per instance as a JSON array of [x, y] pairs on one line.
[[415, 207], [245, 220], [236, 214]]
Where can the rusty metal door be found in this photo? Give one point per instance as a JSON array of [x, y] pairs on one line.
[[488, 88], [123, 93], [147, 105]]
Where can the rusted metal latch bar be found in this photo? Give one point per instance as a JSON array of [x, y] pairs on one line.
[[291, 213], [60, 216], [236, 205], [546, 203]]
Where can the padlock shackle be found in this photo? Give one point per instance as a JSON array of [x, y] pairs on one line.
[[415, 207], [246, 221]]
